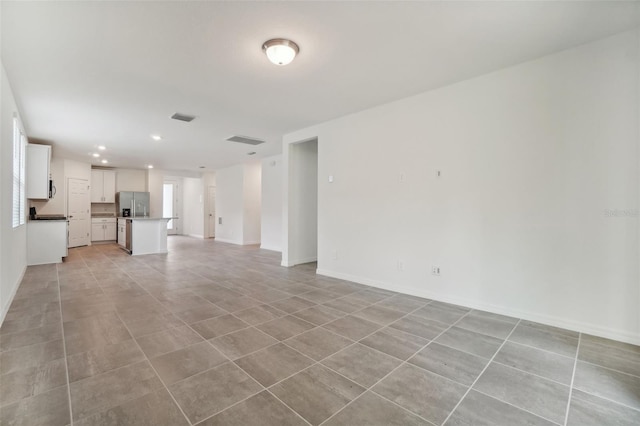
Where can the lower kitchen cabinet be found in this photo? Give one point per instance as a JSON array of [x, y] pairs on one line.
[[122, 232], [46, 241], [103, 229]]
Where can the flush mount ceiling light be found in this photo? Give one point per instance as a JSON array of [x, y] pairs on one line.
[[280, 51], [104, 161], [95, 155], [150, 166], [102, 147], [156, 137]]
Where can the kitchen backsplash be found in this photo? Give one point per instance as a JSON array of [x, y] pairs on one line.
[[103, 209]]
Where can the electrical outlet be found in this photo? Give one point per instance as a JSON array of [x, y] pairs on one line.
[[400, 265], [334, 254], [435, 270]]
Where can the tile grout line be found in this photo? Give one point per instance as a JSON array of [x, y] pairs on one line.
[[525, 345], [481, 373], [573, 376], [516, 407], [154, 370], [610, 369], [204, 340], [64, 347], [287, 405], [370, 388], [605, 399], [306, 368], [346, 314], [202, 372], [143, 353]]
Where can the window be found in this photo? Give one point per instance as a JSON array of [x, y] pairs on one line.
[[19, 148]]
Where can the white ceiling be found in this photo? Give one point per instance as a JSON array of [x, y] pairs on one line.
[[90, 73]]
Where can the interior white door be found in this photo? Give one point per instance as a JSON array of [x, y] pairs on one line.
[[212, 211], [78, 211]]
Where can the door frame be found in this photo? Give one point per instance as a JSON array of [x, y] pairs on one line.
[[292, 253], [211, 229]]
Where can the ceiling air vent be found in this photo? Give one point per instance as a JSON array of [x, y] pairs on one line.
[[182, 117], [244, 139]]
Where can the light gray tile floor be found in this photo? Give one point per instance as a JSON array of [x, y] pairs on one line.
[[217, 334]]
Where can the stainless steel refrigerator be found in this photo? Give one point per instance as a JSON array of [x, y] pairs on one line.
[[136, 202]]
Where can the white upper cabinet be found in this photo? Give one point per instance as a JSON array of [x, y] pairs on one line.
[[37, 171], [103, 186]]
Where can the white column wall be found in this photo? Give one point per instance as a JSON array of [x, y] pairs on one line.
[[13, 241], [533, 160], [271, 217]]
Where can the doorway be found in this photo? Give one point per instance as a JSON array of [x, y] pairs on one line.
[[78, 212], [170, 202], [303, 202], [211, 200]]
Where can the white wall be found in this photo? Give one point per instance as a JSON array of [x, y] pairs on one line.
[[238, 204], [531, 157], [230, 204], [131, 180], [271, 216], [13, 241], [303, 202], [193, 207], [155, 179], [252, 203]]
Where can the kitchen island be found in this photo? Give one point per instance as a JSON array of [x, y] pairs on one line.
[[143, 235]]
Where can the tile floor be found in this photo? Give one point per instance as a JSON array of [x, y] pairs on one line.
[[216, 334]]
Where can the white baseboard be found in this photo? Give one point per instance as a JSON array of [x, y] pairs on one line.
[[251, 243], [300, 261], [569, 324], [195, 236], [224, 240], [7, 304], [268, 247]]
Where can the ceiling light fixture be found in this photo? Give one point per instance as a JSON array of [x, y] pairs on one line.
[[96, 155], [150, 166], [280, 51], [102, 147], [156, 137], [104, 161]]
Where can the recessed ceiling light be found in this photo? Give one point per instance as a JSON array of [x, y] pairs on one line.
[[150, 166], [280, 51], [104, 161], [102, 147], [96, 155], [251, 153], [201, 167], [156, 137]]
